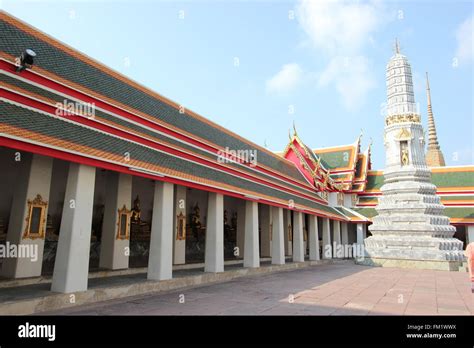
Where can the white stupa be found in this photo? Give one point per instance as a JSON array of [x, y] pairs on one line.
[[410, 229]]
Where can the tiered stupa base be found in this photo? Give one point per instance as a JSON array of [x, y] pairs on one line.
[[423, 252], [410, 230]]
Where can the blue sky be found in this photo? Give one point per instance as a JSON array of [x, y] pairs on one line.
[[256, 66]]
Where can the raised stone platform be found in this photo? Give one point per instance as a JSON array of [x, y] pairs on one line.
[[416, 264], [37, 298]]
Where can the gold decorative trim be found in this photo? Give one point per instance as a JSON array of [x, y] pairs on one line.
[[403, 134], [395, 119], [180, 226], [36, 203], [325, 195], [127, 214]]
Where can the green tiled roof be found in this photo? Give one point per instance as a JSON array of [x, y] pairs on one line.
[[335, 159], [440, 179], [68, 67], [374, 182], [36, 122], [157, 136], [461, 212], [367, 212], [348, 212], [457, 198], [452, 212], [452, 179], [365, 199], [338, 176]]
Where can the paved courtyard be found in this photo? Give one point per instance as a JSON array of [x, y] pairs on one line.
[[332, 289]]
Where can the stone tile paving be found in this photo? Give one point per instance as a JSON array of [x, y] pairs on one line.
[[333, 289]]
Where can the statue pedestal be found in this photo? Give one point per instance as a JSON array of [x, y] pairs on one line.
[[140, 231]]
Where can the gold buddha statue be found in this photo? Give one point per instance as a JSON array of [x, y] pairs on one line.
[[196, 217], [136, 212]]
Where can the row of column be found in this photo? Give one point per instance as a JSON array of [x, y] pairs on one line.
[[72, 257]]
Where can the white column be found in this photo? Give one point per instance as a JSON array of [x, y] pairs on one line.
[[34, 178], [179, 245], [470, 233], [305, 235], [241, 227], [265, 230], [278, 252], [288, 232], [214, 253], [71, 266], [344, 233], [160, 260], [360, 233], [114, 252], [327, 248], [251, 251], [337, 252], [298, 251], [313, 238]]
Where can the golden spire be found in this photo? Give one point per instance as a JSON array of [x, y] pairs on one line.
[[434, 156]]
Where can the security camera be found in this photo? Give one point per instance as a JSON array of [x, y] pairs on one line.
[[25, 60]]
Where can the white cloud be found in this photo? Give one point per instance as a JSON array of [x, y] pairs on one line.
[[464, 51], [338, 26], [285, 80], [341, 29], [351, 77]]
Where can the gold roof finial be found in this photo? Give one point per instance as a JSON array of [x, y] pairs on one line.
[[294, 129]]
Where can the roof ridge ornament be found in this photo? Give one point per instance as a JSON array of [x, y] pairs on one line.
[[294, 129]]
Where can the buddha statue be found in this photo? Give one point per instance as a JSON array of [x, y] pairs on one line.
[[233, 221], [196, 221], [226, 222], [136, 211], [196, 217]]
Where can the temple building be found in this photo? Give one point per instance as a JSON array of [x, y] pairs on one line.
[[102, 173]]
